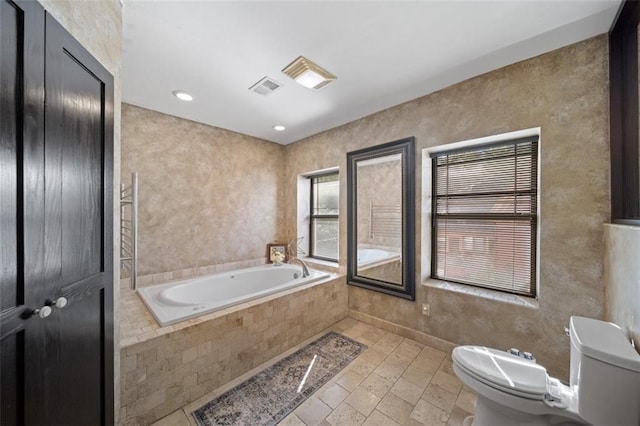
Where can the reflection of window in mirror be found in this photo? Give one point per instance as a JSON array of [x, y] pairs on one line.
[[323, 226], [379, 203]]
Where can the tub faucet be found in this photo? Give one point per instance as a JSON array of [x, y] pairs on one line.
[[305, 269]]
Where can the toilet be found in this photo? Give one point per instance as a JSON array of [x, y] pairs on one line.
[[604, 386]]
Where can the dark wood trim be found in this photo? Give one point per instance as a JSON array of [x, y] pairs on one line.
[[405, 147], [318, 216], [623, 87], [434, 223], [311, 216]]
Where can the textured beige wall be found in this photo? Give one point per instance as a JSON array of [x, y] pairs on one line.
[[97, 25], [206, 195], [622, 277], [564, 92]]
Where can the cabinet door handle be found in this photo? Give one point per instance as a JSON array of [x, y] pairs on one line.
[[43, 312], [59, 303]]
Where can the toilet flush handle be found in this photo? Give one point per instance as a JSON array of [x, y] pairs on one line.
[[555, 397], [566, 331]]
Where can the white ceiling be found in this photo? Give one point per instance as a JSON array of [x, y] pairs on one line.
[[383, 53]]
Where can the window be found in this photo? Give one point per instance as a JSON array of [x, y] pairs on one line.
[[323, 222], [484, 215]]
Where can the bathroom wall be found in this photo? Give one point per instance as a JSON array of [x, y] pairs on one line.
[[622, 277], [565, 93], [97, 25], [207, 196]]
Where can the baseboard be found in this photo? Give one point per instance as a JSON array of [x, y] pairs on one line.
[[401, 330]]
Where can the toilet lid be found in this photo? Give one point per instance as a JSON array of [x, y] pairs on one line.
[[503, 370]]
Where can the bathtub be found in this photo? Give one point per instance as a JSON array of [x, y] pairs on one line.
[[180, 300], [369, 256]]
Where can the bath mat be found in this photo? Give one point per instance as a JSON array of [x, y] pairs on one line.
[[272, 394]]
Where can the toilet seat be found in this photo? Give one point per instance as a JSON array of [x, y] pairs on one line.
[[603, 389], [503, 371]]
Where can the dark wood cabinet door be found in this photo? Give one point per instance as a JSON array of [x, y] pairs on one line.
[[78, 228], [21, 195], [56, 205]]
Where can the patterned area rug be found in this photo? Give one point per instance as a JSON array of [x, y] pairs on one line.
[[272, 394]]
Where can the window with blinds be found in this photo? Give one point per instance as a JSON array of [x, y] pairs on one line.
[[485, 216], [323, 231]]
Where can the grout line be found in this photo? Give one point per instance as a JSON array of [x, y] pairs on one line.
[[357, 325]]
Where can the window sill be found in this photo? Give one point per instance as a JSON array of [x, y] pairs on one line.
[[323, 265], [498, 296]]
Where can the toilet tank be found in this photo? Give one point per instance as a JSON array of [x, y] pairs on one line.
[[605, 371]]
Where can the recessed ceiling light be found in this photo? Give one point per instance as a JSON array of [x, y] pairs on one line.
[[183, 96], [309, 74], [279, 127]]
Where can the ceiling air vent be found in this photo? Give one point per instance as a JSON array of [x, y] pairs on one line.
[[265, 86]]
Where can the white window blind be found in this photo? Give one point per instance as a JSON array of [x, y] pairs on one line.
[[484, 216]]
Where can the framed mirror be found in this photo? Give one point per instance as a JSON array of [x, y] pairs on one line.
[[381, 218]]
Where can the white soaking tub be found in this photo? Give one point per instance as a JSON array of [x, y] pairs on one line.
[[180, 300]]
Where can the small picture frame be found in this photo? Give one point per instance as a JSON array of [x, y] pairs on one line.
[[274, 248]]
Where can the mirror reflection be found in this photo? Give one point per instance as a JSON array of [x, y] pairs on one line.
[[379, 199], [380, 218]]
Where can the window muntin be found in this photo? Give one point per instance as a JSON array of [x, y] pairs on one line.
[[484, 216], [323, 230]]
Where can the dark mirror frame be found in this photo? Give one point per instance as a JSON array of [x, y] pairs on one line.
[[624, 132], [405, 147]]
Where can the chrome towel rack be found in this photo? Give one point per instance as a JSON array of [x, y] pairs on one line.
[[385, 220], [129, 229]]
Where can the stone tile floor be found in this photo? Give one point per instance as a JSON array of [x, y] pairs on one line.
[[396, 381]]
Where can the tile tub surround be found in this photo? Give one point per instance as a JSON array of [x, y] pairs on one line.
[[622, 277], [565, 93], [397, 381], [206, 195], [164, 368]]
